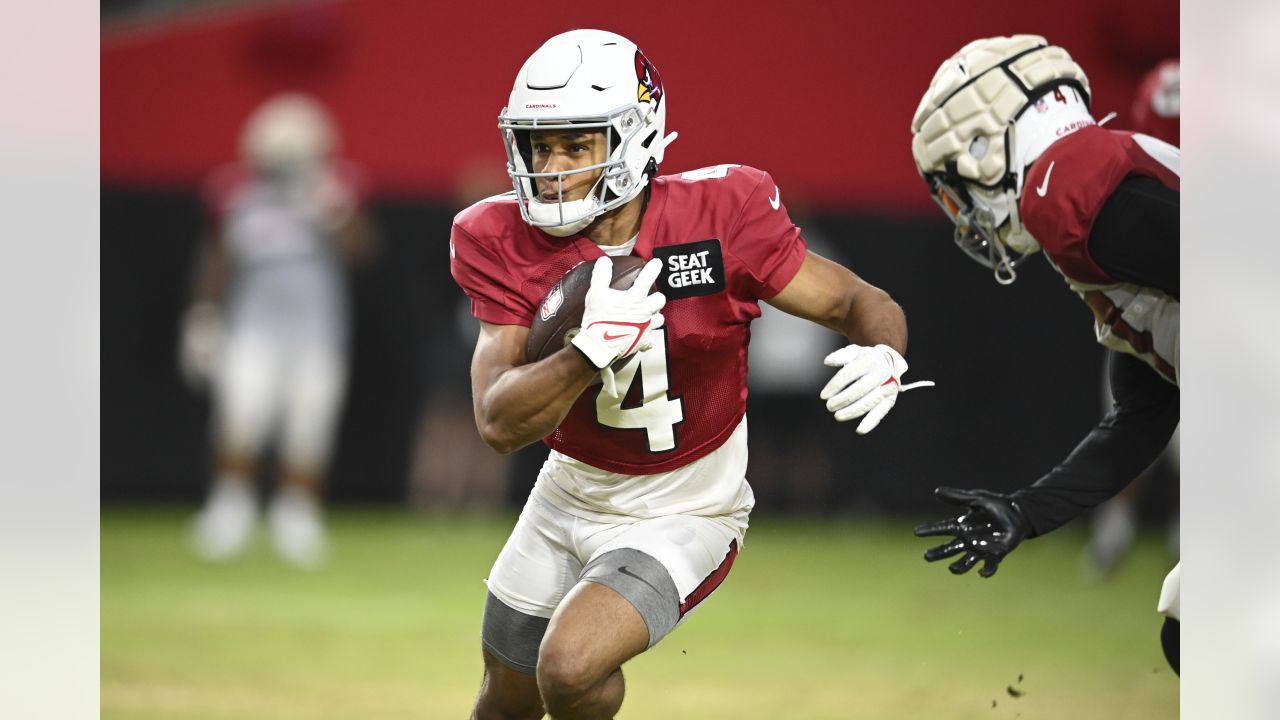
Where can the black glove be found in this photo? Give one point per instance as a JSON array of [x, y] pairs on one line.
[[991, 529]]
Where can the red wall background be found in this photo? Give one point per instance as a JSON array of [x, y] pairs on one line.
[[821, 94]]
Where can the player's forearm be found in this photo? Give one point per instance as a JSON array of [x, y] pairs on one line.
[[357, 240], [1103, 464], [873, 318], [527, 402], [212, 270]]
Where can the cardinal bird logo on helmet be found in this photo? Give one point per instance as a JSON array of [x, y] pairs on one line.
[[650, 87]]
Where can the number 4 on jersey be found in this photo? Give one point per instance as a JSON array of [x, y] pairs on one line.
[[657, 414]]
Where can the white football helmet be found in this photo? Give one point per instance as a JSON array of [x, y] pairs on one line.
[[991, 110], [288, 134], [586, 79]]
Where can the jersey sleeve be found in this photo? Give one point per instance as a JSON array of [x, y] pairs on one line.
[[485, 280], [766, 245], [1063, 192], [1135, 237]]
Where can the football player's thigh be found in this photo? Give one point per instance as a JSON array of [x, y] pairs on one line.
[[531, 576], [316, 379], [666, 566], [247, 392]]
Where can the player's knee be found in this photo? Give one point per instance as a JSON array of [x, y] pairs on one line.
[[563, 675]]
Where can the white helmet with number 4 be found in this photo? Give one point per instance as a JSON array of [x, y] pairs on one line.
[[586, 79], [991, 110]]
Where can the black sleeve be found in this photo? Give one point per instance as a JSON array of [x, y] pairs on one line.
[[1126, 441], [1135, 236]]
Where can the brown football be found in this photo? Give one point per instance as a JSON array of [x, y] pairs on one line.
[[560, 312]]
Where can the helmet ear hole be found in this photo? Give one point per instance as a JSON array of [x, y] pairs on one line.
[[648, 141]]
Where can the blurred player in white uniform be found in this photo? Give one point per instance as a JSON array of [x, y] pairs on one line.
[[269, 324], [1007, 143]]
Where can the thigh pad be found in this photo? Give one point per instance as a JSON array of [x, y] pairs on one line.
[[644, 582], [512, 636]]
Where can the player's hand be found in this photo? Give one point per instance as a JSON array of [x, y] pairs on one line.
[[618, 323], [990, 529], [200, 344], [867, 383]]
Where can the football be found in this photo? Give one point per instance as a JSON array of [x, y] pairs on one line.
[[560, 313]]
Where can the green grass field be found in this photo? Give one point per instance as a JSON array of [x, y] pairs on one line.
[[819, 619]]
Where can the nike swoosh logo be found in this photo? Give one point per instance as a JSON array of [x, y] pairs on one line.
[[776, 200], [607, 336], [1044, 186], [628, 573]]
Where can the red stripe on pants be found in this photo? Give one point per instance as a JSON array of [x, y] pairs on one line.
[[710, 582]]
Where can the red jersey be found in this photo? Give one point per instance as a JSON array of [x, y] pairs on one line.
[[1064, 190], [1067, 186], [726, 242]]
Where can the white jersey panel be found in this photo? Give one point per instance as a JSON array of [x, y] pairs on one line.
[[1135, 320], [714, 485]]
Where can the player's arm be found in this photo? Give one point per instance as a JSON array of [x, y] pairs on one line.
[[356, 239], [831, 295], [213, 267], [337, 197], [201, 333], [868, 380], [516, 402], [1128, 439], [1125, 442]]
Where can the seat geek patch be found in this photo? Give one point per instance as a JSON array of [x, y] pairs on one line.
[[691, 269]]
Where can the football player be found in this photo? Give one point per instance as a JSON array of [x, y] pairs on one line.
[[1158, 103], [1009, 147], [268, 324], [641, 507], [1114, 523]]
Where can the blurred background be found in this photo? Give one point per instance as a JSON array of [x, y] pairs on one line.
[[819, 94]]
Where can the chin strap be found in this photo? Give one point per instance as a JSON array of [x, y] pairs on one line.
[[1004, 272]]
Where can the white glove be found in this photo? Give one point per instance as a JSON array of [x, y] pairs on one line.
[[867, 383], [201, 343], [617, 323]]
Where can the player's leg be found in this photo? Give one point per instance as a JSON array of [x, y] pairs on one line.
[[244, 403], [509, 688], [1170, 605], [593, 632], [1112, 530], [315, 382], [530, 577], [639, 582]]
